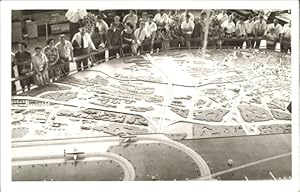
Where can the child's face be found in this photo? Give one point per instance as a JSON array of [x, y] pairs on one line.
[[38, 51]]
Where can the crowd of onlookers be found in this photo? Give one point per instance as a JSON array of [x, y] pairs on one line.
[[133, 35]]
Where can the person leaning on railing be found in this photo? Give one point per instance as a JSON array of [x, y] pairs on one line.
[[197, 34], [165, 38], [81, 43], [240, 32], [176, 34], [52, 55], [187, 28], [285, 39], [259, 27], [98, 42], [139, 37], [23, 63], [127, 39], [229, 29], [249, 25], [215, 35], [150, 29], [65, 51], [40, 66], [113, 42]]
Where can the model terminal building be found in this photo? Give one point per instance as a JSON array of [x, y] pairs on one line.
[[172, 115]]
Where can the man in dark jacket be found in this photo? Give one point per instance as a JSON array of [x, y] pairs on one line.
[[23, 62], [113, 40]]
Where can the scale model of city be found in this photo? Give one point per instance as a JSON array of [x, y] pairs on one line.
[[166, 116]]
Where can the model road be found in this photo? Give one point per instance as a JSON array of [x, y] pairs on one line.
[[128, 169], [129, 173]]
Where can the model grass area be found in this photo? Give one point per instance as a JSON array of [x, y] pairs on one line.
[[242, 150], [103, 170], [159, 161], [279, 168]]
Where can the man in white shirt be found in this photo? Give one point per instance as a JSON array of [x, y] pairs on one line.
[[260, 27], [229, 29], [65, 51], [276, 26], [184, 14], [249, 24], [40, 66], [285, 38], [131, 18], [140, 36], [161, 19], [75, 17], [150, 29], [240, 32], [81, 43], [187, 28]]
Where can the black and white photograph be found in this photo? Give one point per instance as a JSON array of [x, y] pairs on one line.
[[151, 94]]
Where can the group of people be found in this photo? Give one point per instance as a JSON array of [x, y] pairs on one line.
[[170, 28], [133, 35], [44, 65]]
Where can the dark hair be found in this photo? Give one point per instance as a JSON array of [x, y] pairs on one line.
[[188, 16], [23, 43], [129, 25], [49, 40], [37, 48], [96, 29], [163, 30], [150, 16], [132, 11]]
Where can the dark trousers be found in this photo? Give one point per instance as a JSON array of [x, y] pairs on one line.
[[271, 46], [26, 82], [230, 41], [65, 65], [147, 45], [84, 61], [176, 43], [113, 51], [285, 45], [197, 42], [257, 42], [250, 42], [73, 29], [13, 88], [240, 42], [126, 50]]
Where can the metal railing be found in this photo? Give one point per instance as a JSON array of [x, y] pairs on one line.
[[181, 45]]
